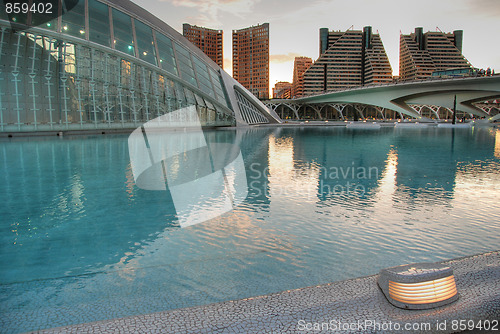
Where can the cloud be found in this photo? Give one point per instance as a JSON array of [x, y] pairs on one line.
[[284, 58], [487, 8], [209, 10]]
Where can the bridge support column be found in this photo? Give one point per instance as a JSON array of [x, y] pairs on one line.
[[317, 109], [272, 106], [450, 111], [417, 108], [282, 111], [360, 108], [295, 109], [381, 111], [435, 110], [486, 109], [340, 108]]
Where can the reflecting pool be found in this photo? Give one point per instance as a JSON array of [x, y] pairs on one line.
[[81, 242]]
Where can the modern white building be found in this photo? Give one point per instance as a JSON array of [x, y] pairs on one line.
[[109, 64]]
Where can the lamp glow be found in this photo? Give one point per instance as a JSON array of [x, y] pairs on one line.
[[422, 293], [418, 286]]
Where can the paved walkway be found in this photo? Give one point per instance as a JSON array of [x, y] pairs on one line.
[[351, 306]]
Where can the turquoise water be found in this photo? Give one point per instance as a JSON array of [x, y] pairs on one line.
[[80, 242]]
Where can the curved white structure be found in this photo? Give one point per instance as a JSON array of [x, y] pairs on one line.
[[109, 64], [405, 98]]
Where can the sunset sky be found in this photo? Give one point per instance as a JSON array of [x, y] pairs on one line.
[[294, 24]]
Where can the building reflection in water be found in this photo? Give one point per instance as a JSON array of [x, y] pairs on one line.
[[76, 226], [68, 196], [497, 144], [413, 171], [297, 181], [388, 181], [52, 187]]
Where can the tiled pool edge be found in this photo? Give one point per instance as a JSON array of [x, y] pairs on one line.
[[350, 302]]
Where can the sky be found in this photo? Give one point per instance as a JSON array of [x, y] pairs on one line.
[[294, 24]]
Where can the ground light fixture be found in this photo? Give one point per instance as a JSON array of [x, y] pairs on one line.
[[418, 286]]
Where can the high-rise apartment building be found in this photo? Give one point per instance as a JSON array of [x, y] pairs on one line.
[[422, 54], [348, 59], [282, 90], [300, 65], [207, 40], [251, 59]]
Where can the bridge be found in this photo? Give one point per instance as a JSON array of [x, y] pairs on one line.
[[476, 97]]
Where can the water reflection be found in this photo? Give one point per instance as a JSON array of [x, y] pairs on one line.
[[323, 204], [497, 144], [371, 187], [69, 205], [422, 170], [387, 186], [70, 194], [287, 179]]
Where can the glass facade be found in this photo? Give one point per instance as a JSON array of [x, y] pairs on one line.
[[73, 22], [99, 29], [185, 64], [128, 74], [122, 27], [166, 53], [249, 112], [145, 44]]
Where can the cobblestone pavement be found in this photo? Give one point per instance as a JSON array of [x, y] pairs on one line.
[[351, 306]]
